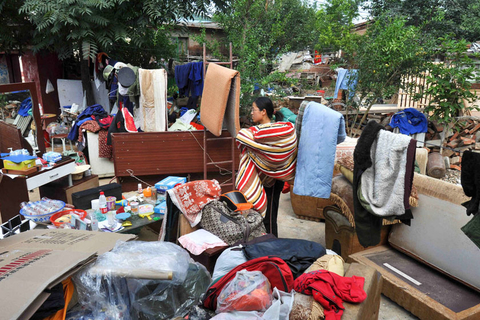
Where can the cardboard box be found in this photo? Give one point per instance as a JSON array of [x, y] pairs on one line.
[[161, 208], [36, 260], [169, 183], [19, 162]]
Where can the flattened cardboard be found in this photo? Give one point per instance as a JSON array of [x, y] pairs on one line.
[[34, 260]]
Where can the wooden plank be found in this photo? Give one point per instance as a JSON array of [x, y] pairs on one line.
[[23, 172], [368, 309], [157, 153], [408, 296]]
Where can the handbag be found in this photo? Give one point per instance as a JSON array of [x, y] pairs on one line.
[[231, 226]]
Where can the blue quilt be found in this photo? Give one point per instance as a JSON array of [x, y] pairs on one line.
[[322, 129]]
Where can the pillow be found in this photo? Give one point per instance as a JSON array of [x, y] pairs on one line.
[[221, 99]]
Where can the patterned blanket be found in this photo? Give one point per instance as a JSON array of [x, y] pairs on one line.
[[268, 153]]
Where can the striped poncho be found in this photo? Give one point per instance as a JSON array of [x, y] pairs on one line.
[[268, 153]]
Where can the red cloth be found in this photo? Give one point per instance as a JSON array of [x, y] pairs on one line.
[[197, 126], [286, 187], [106, 122], [90, 125], [330, 290], [104, 150]]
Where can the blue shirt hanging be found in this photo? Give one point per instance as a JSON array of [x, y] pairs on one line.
[[409, 121]]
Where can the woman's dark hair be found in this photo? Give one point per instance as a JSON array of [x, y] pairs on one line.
[[264, 103]]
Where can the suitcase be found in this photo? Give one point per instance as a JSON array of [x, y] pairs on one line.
[[82, 199]]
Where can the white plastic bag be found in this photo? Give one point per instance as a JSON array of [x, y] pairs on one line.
[[248, 291], [239, 315], [49, 87]]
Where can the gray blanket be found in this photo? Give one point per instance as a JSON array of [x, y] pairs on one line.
[[383, 184]]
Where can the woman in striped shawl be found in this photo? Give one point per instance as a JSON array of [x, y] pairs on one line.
[[268, 158]]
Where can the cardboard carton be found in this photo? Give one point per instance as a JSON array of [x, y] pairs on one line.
[[36, 260]]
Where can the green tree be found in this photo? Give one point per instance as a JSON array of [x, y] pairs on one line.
[[15, 29], [435, 17], [388, 53], [449, 83], [86, 26], [334, 22], [261, 30]]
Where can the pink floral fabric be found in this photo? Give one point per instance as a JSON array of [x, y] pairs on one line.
[[191, 197]]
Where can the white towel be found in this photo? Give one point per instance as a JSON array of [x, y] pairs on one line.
[[153, 99]]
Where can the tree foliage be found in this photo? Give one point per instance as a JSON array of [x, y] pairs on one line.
[[434, 17], [15, 29], [69, 25], [260, 30], [386, 54], [334, 22], [449, 83]]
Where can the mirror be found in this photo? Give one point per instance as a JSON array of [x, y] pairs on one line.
[[14, 101]]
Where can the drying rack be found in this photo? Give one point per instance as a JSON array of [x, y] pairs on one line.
[[212, 138]]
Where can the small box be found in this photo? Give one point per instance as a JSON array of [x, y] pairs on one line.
[[52, 156], [167, 184], [161, 208], [19, 162]]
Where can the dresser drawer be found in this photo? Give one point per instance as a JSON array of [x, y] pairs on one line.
[[50, 175]]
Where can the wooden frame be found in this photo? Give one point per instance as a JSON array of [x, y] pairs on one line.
[[36, 111], [409, 297], [166, 153], [11, 137]]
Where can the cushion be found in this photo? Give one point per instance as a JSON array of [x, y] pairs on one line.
[[221, 100]]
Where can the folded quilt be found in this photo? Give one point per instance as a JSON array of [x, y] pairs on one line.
[[322, 129], [268, 152]]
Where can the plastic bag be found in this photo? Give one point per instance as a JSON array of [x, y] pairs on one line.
[[248, 291], [55, 128], [129, 282], [239, 315], [282, 304], [49, 87]]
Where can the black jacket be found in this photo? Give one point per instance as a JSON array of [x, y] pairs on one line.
[[298, 254]]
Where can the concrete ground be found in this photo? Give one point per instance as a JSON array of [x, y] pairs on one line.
[[289, 226]]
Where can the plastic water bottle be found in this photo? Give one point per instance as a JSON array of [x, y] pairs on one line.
[[103, 203], [94, 221], [38, 208], [50, 204], [96, 210], [27, 208]]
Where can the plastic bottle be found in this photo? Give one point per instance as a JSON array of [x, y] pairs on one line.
[[96, 209], [38, 208], [94, 221], [102, 201], [139, 189], [50, 204], [27, 208]]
